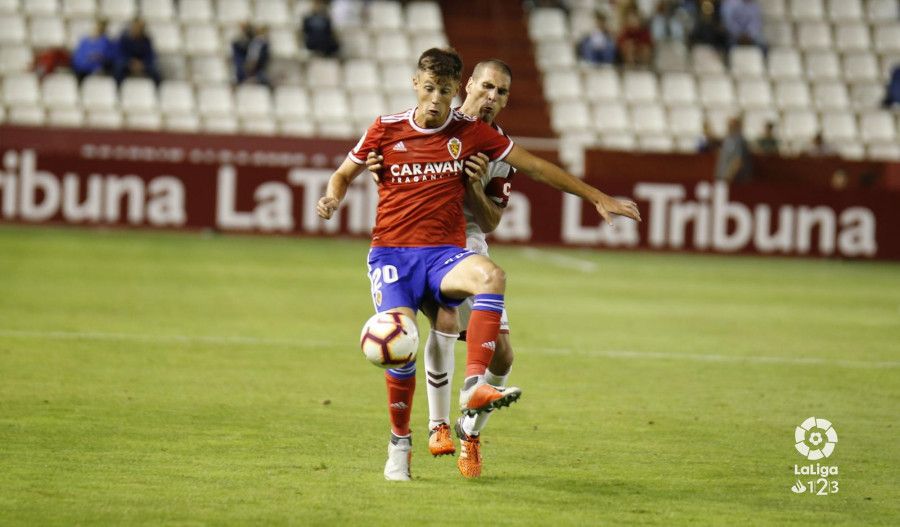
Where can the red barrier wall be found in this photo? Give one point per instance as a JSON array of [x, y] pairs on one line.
[[253, 184]]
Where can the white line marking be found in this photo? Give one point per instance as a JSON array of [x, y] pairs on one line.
[[561, 260], [288, 343]]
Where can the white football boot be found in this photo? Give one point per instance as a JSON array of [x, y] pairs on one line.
[[399, 455]]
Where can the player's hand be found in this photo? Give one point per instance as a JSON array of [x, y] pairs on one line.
[[476, 167], [326, 206], [374, 162], [608, 205]]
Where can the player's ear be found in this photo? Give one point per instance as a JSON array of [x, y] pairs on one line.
[[469, 84]]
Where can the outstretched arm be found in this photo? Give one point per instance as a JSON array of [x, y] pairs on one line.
[[337, 188], [550, 174]]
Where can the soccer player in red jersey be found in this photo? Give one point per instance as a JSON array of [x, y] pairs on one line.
[[419, 237]]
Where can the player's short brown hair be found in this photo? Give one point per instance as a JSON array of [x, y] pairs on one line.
[[442, 62], [494, 63]]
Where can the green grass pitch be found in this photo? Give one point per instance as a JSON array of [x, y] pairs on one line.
[[181, 379]]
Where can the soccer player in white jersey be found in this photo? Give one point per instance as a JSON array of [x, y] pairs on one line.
[[487, 93]]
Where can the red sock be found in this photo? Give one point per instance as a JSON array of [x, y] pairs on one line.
[[481, 339], [400, 397]]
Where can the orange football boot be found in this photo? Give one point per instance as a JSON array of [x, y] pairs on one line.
[[439, 441], [469, 461]]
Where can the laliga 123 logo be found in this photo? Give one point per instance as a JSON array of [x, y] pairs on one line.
[[815, 438]]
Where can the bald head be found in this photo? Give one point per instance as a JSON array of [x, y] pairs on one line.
[[492, 63]]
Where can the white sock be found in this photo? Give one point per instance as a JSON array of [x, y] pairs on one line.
[[474, 424], [439, 363]]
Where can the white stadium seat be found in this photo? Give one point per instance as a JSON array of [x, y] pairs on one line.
[[717, 92], [208, 69], [861, 66], [34, 8], [866, 95], [619, 141], [754, 93], [117, 11], [258, 125], [814, 35], [548, 23], [882, 11], [773, 8], [108, 118], [291, 103], [571, 116], [602, 84], [193, 11], [673, 56], [138, 95], [220, 124], [253, 100], [887, 38], [21, 89], [755, 122], [397, 77], [844, 11], [202, 39], [79, 8], [706, 60], [15, 58], [611, 117], [176, 97], [12, 29], [273, 13], [784, 63], [166, 36], [60, 91], [823, 65], [648, 119], [47, 32], [562, 86], [324, 73], [686, 121], [215, 100], [185, 123], [362, 73], [656, 143], [747, 61], [424, 17], [884, 151], [852, 37], [779, 33], [802, 10], [330, 105], [65, 118], [99, 93], [678, 89], [554, 54], [143, 121], [385, 16], [157, 10], [792, 94], [355, 44], [232, 12], [799, 126], [26, 115], [283, 43], [392, 47], [365, 107], [877, 127], [77, 28], [830, 96], [838, 127], [422, 41], [172, 66], [639, 86]]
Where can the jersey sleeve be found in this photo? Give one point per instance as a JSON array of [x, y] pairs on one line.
[[370, 140], [493, 143], [498, 190]]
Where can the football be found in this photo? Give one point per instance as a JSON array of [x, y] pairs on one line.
[[390, 339]]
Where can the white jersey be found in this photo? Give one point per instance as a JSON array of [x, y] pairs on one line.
[[475, 237]]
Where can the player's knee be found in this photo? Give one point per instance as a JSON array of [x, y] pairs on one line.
[[495, 279], [447, 322]]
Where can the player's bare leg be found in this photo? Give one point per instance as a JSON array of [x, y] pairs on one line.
[[480, 277], [439, 365], [401, 386]]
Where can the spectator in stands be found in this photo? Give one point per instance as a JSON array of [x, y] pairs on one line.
[[250, 54], [635, 44], [668, 22], [767, 144], [734, 164], [598, 46], [95, 54], [819, 148], [708, 29], [708, 142], [743, 20], [892, 92], [137, 57], [318, 34]]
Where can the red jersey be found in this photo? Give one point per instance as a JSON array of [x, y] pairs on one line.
[[420, 198]]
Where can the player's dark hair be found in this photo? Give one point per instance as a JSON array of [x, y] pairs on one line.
[[494, 63], [442, 63]]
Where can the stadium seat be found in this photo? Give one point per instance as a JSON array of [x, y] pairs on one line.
[[355, 44], [166, 36], [861, 66], [397, 77], [336, 130], [792, 94], [138, 95], [21, 89], [15, 58], [2, 114], [877, 127], [9, 6], [830, 96], [185, 123], [618, 141], [572, 116], [362, 73], [747, 61], [194, 11], [330, 104], [656, 143], [104, 118], [639, 86], [297, 128], [773, 9], [77, 28], [424, 17], [291, 103], [686, 122], [220, 124], [385, 16], [839, 127], [814, 36], [215, 100], [822, 65], [232, 12], [717, 119], [784, 63], [804, 10], [39, 8], [648, 119], [117, 11], [887, 38], [202, 39], [852, 37], [888, 63], [671, 57], [99, 93], [717, 92], [554, 54], [706, 60], [47, 32], [779, 33], [206, 70], [392, 47], [547, 23], [258, 125], [799, 127], [283, 43], [602, 84], [12, 29], [422, 41], [253, 100], [65, 118], [882, 11], [754, 94], [755, 122], [176, 97], [143, 121], [844, 11], [157, 11], [79, 8], [562, 86], [324, 73], [365, 106], [678, 89], [611, 117], [866, 95], [59, 91], [273, 13], [884, 151], [26, 115], [172, 66]]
